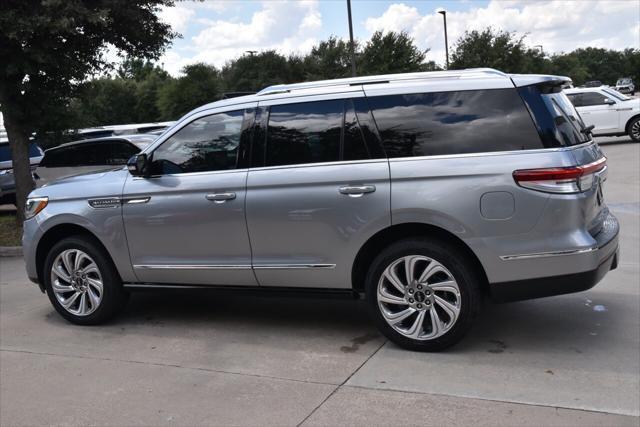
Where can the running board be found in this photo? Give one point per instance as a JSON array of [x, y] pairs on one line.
[[330, 293]]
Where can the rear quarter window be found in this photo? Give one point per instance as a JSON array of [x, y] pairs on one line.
[[427, 124]]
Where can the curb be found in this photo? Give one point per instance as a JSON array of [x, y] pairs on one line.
[[10, 251]]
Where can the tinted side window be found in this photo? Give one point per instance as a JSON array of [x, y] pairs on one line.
[[354, 146], [206, 144], [575, 99], [117, 153], [454, 123], [592, 98], [304, 133]]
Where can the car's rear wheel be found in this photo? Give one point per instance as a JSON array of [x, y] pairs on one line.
[[423, 295], [634, 129], [82, 282]]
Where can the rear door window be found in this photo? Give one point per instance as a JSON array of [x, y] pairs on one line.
[[427, 124], [588, 99], [302, 133]]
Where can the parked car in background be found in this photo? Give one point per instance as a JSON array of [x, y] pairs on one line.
[[89, 155], [421, 191], [608, 111], [122, 130], [7, 180], [592, 83], [626, 85]]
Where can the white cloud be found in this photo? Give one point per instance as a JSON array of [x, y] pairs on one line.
[[286, 26], [178, 17], [556, 25]]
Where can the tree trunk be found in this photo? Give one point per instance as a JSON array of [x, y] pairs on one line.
[[19, 143]]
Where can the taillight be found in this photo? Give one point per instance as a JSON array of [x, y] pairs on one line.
[[572, 179]]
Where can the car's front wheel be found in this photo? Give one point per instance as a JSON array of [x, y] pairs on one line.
[[82, 282], [423, 294], [634, 129]]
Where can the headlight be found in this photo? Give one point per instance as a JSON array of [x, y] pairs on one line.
[[6, 172], [34, 206]]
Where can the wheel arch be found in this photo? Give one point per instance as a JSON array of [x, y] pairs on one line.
[[631, 119], [396, 232], [53, 236]]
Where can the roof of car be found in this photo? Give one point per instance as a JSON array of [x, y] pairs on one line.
[[482, 76], [139, 140], [585, 89]]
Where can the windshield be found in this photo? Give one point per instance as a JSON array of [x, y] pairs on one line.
[[570, 129], [625, 81], [616, 94]]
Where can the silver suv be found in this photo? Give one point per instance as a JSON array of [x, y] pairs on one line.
[[423, 192]]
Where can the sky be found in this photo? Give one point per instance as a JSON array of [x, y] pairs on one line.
[[216, 31]]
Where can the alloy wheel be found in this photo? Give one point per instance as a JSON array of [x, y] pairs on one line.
[[418, 297], [76, 282], [635, 130]]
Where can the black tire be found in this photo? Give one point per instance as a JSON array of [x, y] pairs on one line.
[[460, 268], [631, 131], [113, 297]]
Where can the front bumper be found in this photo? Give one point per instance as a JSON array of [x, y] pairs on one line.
[[607, 255]]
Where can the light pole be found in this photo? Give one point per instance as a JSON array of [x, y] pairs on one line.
[[446, 41], [351, 45]]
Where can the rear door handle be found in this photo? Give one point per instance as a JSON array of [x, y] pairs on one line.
[[357, 190], [220, 197]]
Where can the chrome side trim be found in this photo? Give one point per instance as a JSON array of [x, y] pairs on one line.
[[105, 202], [292, 266], [193, 267], [136, 200], [547, 254], [230, 266]]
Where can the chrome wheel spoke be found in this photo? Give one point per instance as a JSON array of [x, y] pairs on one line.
[[67, 303], [447, 286], [59, 287], [431, 269], [93, 283], [93, 298], [59, 271], [436, 323], [77, 262], [449, 308], [393, 278], [410, 268], [417, 326], [91, 268], [67, 260], [386, 297], [398, 317]]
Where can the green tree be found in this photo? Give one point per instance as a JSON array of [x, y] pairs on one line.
[[255, 72], [392, 53], [105, 101], [48, 47], [501, 50], [199, 85], [330, 59]]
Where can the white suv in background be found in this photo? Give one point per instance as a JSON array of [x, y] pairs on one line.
[[610, 112]]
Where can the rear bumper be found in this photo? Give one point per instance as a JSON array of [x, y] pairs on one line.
[[606, 254]]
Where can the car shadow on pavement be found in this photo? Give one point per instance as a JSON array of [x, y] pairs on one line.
[[572, 322]]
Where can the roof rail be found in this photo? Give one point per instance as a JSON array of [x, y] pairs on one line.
[[386, 78]]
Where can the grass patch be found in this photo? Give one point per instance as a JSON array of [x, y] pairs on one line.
[[10, 233]]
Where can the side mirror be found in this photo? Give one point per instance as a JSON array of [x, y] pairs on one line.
[[609, 101], [138, 165]]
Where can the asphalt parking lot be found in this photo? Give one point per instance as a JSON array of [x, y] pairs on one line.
[[184, 358]]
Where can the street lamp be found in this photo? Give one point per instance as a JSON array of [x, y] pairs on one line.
[[351, 45], [540, 46], [446, 42]]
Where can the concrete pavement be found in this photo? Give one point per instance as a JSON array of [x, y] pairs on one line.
[[184, 358]]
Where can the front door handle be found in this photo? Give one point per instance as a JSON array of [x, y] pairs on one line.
[[357, 190], [220, 197]]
